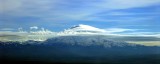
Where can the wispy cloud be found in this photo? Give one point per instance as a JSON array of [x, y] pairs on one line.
[[122, 13], [68, 9], [115, 30]]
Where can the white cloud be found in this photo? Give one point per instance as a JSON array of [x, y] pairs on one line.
[[22, 35], [33, 27]]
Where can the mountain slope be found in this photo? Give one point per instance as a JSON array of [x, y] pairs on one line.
[[95, 40], [82, 40]]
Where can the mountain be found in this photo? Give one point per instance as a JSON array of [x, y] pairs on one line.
[[86, 28], [88, 40], [82, 29]]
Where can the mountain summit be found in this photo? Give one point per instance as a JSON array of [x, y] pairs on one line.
[[86, 28], [82, 29], [85, 40]]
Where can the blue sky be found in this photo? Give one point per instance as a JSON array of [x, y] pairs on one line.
[[57, 15]]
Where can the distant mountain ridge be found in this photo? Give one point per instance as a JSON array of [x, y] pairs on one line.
[[82, 40], [88, 41]]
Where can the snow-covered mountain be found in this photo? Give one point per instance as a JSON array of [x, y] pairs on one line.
[[91, 40], [81, 29]]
